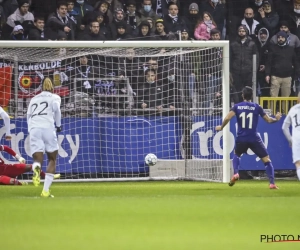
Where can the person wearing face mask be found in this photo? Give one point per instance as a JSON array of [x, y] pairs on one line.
[[218, 11], [147, 11], [281, 66], [294, 19], [250, 22], [267, 17], [241, 62]]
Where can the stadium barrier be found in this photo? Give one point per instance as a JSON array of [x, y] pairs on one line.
[[282, 104]]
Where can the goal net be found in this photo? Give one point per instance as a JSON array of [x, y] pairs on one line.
[[122, 101]]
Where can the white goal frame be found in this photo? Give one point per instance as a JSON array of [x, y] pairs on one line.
[[149, 44]]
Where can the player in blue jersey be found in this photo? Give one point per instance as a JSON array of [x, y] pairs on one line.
[[247, 114]]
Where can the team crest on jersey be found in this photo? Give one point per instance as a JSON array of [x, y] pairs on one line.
[[29, 83]]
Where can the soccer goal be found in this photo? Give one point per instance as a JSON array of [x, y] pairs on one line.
[[122, 100]]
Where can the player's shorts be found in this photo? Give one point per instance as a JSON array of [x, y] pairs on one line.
[[257, 146], [296, 151], [12, 170], [43, 140]]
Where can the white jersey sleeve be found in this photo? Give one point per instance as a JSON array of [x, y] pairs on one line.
[[43, 111], [292, 119], [6, 120]]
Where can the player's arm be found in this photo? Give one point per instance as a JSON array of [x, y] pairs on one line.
[[286, 128], [57, 114], [226, 120], [6, 120], [270, 119], [12, 153]]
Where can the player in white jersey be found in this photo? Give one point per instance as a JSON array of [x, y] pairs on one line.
[[293, 118], [43, 112], [6, 120]]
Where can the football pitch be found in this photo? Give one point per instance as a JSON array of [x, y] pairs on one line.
[[150, 215]]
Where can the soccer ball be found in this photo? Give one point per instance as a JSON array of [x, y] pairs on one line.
[[151, 159]]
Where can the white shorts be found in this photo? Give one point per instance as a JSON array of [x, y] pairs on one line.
[[43, 140], [296, 151]]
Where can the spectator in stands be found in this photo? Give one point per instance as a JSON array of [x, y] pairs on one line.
[[121, 33], [73, 13], [185, 35], [20, 17], [210, 71], [160, 30], [263, 46], [268, 17], [161, 7], [119, 17], [145, 32], [131, 15], [94, 34], [250, 22], [9, 7], [218, 11], [292, 40], [241, 62], [191, 18], [114, 4], [147, 11], [294, 19], [152, 27], [173, 22], [280, 67], [150, 93], [37, 31], [82, 8], [204, 26], [103, 7], [18, 33], [59, 21]]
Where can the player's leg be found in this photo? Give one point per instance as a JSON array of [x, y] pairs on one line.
[[6, 180], [260, 150], [240, 148], [296, 156], [51, 148], [37, 148], [49, 173]]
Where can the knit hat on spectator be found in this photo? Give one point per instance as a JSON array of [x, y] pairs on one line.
[[263, 31], [159, 21], [121, 24], [283, 34], [194, 6], [18, 28], [184, 29], [131, 2], [284, 23], [22, 2]]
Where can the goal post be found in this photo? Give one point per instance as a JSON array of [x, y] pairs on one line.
[[110, 126]]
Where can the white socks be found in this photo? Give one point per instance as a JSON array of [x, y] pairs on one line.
[[298, 173], [36, 164], [48, 181]]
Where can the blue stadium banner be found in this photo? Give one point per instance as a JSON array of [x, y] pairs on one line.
[[119, 144]]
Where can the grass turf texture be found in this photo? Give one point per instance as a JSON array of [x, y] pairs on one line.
[[149, 215]]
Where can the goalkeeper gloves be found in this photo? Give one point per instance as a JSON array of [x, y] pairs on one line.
[[20, 158], [58, 129]]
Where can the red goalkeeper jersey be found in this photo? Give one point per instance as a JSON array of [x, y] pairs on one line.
[[7, 150]]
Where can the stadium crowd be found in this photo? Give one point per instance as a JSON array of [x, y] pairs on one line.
[[268, 29]]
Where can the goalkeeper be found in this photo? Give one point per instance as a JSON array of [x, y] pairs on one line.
[[9, 172]]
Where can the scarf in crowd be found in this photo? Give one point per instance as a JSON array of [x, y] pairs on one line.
[[159, 8], [208, 25], [131, 20], [174, 18], [62, 19]]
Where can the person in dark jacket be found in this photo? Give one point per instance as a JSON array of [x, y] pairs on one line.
[[173, 22], [59, 21], [94, 34], [37, 31], [241, 62], [281, 66]]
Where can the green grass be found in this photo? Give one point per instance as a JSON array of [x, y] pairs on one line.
[[149, 215]]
